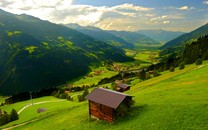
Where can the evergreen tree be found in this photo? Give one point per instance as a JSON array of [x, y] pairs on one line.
[[4, 119], [14, 116]]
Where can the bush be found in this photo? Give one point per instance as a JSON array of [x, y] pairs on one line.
[[63, 96], [172, 69], [69, 98], [84, 94], [56, 95], [148, 76], [181, 66], [80, 98], [199, 61], [156, 73], [142, 75]]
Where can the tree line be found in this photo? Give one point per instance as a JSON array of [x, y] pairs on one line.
[[6, 118]]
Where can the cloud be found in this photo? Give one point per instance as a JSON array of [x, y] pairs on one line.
[[120, 17], [205, 2], [130, 7], [186, 8], [166, 22], [159, 19]]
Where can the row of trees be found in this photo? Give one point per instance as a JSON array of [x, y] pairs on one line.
[[27, 95], [6, 118]]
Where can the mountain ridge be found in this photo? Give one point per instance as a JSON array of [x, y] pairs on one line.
[[37, 54], [195, 34], [161, 35]]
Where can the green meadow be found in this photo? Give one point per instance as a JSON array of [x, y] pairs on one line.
[[2, 99], [174, 100], [87, 80]]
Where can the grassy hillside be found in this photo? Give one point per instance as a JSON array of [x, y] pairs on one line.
[[174, 100], [2, 99], [181, 40], [37, 54]]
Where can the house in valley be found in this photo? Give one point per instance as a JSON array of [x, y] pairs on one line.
[[104, 103], [122, 87]]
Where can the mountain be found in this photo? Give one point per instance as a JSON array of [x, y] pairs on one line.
[[37, 54], [161, 35], [188, 37], [133, 37], [195, 50], [102, 35]]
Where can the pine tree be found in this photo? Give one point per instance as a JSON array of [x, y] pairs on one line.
[[14, 116]]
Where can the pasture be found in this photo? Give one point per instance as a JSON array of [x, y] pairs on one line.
[[174, 100]]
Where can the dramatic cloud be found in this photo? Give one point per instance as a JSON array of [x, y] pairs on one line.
[[205, 2], [125, 16]]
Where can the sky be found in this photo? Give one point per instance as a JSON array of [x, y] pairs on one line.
[[129, 15]]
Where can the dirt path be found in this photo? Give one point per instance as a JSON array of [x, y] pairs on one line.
[[28, 105]]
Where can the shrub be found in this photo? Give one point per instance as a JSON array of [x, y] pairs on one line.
[[172, 69], [199, 61], [181, 66], [148, 76], [80, 98], [63, 96], [56, 95], [69, 98], [142, 75], [156, 73]]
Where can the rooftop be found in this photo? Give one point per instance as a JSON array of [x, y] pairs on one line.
[[107, 97]]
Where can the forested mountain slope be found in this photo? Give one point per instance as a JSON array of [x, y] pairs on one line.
[[37, 54]]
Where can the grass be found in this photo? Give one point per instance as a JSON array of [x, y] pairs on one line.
[[2, 99], [95, 79], [174, 100]]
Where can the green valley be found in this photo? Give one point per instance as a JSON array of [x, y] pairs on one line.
[[170, 101], [103, 65]]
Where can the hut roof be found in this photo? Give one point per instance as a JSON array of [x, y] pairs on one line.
[[39, 110], [106, 97], [123, 86]]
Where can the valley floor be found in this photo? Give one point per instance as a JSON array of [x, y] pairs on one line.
[[174, 100]]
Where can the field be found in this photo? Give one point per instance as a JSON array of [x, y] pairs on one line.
[[2, 99], [95, 79], [174, 100], [142, 59]]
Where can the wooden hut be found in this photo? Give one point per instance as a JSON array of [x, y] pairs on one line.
[[103, 103], [39, 110], [122, 87]]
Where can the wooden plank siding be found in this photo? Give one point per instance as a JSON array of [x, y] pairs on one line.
[[101, 111]]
